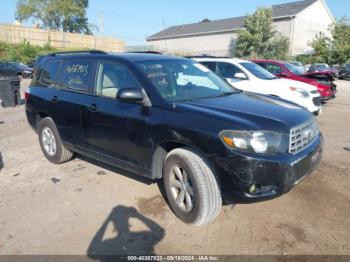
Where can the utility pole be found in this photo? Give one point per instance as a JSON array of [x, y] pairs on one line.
[[100, 21]]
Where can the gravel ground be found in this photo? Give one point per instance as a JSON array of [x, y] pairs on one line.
[[83, 206]]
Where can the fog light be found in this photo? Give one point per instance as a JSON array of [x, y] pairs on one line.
[[252, 189]]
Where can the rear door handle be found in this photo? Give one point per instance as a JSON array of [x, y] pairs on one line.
[[54, 99], [92, 107]]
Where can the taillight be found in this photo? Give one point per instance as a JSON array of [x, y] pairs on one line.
[[26, 94]]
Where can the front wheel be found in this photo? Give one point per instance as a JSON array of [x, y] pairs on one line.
[[191, 187]]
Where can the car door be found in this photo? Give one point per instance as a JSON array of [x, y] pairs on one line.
[[69, 86], [233, 75], [118, 131]]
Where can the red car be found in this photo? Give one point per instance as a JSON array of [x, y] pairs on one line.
[[322, 80]]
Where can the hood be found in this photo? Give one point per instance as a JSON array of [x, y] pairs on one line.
[[303, 79], [251, 111], [297, 84]]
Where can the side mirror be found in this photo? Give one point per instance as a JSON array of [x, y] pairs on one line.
[[240, 76], [130, 95]]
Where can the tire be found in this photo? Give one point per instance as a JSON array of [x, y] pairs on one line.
[[57, 153], [201, 182]]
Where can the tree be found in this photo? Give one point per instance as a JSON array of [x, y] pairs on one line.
[[62, 15], [321, 45], [340, 44], [334, 49], [258, 39]]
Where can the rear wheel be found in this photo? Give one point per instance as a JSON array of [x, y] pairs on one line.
[[51, 143], [191, 187]]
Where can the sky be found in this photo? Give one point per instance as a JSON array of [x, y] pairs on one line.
[[134, 20]]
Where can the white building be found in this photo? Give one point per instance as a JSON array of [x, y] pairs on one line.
[[299, 21]]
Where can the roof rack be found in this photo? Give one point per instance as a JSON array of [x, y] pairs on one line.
[[146, 52], [93, 52], [206, 56]]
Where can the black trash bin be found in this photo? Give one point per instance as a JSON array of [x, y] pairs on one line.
[[10, 92]]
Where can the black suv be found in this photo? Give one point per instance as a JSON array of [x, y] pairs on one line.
[[171, 118]]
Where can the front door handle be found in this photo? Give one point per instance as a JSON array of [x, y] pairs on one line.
[[92, 107]]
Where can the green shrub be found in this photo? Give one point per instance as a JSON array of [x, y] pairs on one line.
[[23, 52]]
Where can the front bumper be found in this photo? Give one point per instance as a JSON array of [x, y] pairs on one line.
[[272, 176], [330, 94]]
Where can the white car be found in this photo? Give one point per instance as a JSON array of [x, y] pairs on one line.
[[250, 77]]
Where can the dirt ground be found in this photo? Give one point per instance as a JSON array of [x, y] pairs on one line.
[[83, 206]]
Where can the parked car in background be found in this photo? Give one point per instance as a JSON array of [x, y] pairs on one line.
[[298, 65], [171, 118], [322, 68], [323, 83], [248, 76], [14, 69], [319, 67], [344, 73]]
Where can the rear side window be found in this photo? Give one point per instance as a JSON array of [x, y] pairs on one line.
[[274, 69], [76, 74], [49, 73]]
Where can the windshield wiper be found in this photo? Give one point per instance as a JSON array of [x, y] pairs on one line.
[[221, 95], [226, 94]]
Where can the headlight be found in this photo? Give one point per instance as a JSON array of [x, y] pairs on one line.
[[300, 92], [262, 142]]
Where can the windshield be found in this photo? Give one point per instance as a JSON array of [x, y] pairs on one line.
[[258, 71], [183, 80], [293, 69]]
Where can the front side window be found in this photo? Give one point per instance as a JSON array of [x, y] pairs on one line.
[[210, 65], [111, 77], [76, 74], [227, 70], [49, 73], [258, 71], [183, 80]]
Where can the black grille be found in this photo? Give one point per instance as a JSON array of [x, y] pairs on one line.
[[317, 101]]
